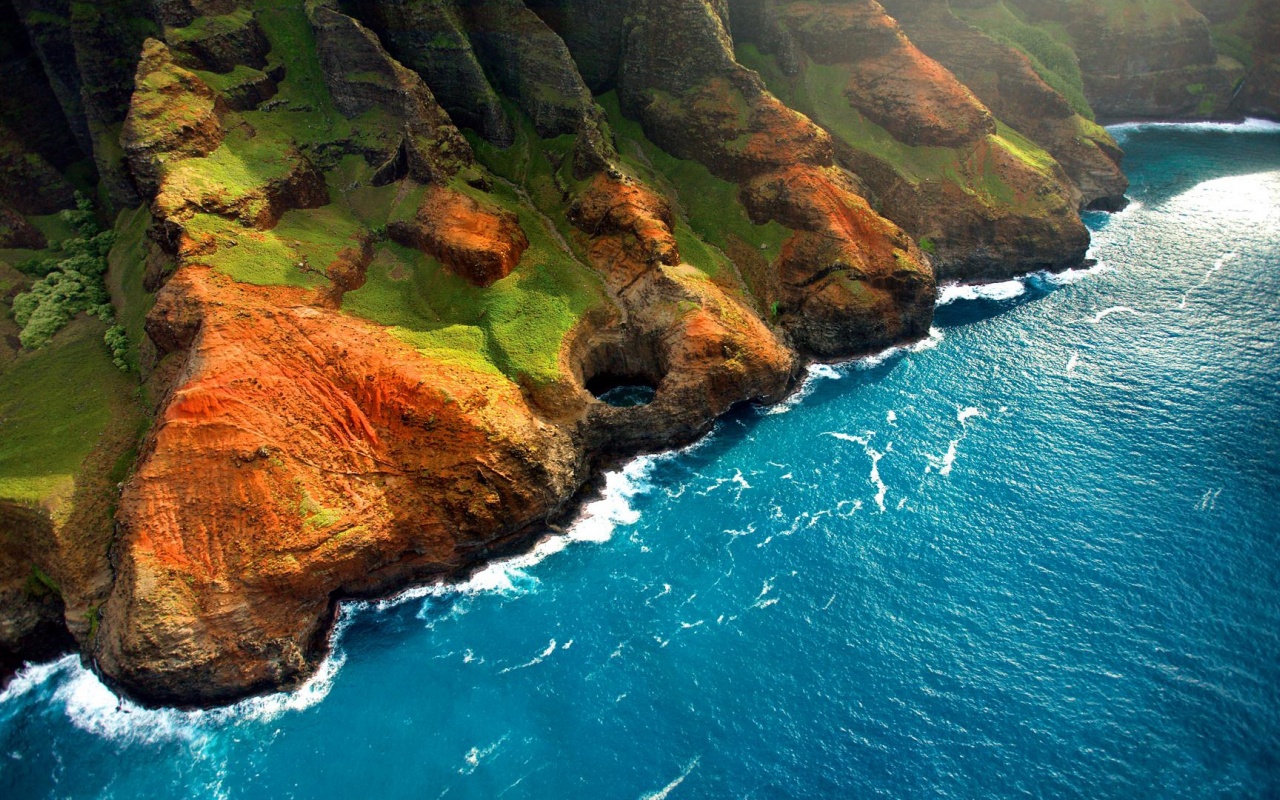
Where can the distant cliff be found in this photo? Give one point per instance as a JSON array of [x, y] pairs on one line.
[[346, 279]]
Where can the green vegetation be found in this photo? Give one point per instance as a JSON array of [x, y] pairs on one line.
[[1026, 150], [819, 93], [125, 273], [69, 283], [1047, 47], [54, 405], [714, 218], [239, 76], [1234, 37], [204, 27], [928, 245], [297, 252], [517, 325], [238, 170], [39, 583]]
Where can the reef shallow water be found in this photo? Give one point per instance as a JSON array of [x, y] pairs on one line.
[[1035, 554]]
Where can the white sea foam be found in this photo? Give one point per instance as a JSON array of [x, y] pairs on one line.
[[476, 755], [533, 662], [874, 360], [1113, 310], [92, 707], [1069, 276], [813, 374], [848, 437], [963, 415], [32, 676], [946, 462], [1210, 500], [662, 793], [1249, 125], [1002, 290], [891, 417], [949, 459], [1226, 258], [596, 523], [1072, 363], [875, 480]]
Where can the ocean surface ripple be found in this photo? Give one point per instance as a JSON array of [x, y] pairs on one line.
[[1035, 555]]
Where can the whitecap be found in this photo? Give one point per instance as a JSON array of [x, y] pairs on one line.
[[881, 488], [1107, 312], [1072, 363], [1001, 290], [848, 437], [1222, 261], [538, 659], [662, 793], [963, 415], [949, 460], [1248, 125], [476, 755]]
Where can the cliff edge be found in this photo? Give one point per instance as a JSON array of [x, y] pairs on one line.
[[313, 300]]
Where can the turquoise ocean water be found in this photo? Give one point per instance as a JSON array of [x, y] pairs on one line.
[[1035, 556]]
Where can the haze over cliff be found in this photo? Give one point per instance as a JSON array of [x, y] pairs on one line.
[[335, 285]]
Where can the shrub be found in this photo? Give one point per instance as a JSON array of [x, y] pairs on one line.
[[71, 283], [118, 342]]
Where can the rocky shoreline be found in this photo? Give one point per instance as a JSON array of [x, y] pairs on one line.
[[373, 275]]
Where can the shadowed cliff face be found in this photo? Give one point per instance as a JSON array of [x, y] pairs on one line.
[[938, 163], [386, 246], [1143, 60]]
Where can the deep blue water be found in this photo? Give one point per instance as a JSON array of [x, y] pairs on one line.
[[1038, 556]]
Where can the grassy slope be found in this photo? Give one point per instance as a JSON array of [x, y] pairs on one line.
[[710, 219], [61, 401], [820, 94], [517, 325], [55, 404], [125, 275], [1047, 46]]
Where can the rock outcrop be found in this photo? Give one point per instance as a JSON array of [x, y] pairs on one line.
[[476, 240], [1144, 60], [1006, 82], [393, 251], [987, 202]]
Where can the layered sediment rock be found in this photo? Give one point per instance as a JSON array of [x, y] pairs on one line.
[[376, 340]]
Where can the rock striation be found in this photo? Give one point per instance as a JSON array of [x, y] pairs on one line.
[[374, 261]]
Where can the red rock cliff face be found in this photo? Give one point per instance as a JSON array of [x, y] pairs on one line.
[[299, 457], [1005, 80], [931, 154], [849, 279], [329, 426]]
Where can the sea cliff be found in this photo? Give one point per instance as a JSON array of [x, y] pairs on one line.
[[314, 300]]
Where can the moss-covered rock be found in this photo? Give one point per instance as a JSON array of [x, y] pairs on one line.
[[174, 115]]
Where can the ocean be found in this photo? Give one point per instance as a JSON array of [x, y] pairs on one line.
[[1036, 555]]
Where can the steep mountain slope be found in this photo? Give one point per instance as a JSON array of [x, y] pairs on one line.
[[373, 262]]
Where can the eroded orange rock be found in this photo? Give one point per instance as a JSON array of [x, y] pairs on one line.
[[303, 455], [476, 241]]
